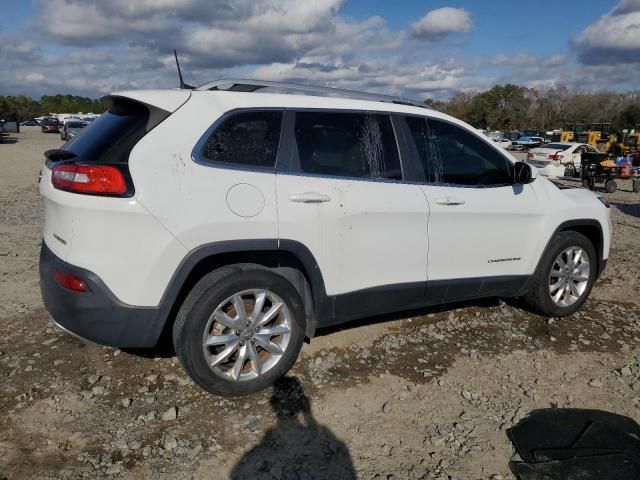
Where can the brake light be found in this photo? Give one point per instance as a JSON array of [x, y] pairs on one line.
[[530, 155], [70, 282], [555, 157], [90, 179]]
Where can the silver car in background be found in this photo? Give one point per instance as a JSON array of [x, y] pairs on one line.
[[71, 128]]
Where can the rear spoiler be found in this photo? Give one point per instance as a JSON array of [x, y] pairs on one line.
[[168, 100]]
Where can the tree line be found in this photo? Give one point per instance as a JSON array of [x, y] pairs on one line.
[[22, 108], [502, 107], [513, 107]]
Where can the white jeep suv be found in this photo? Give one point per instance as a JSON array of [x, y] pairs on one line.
[[240, 216]]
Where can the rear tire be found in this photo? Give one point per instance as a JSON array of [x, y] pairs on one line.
[[548, 295], [636, 185], [224, 346], [610, 186], [570, 170]]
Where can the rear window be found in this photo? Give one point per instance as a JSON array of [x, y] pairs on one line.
[[75, 125], [556, 146], [114, 134], [245, 139]]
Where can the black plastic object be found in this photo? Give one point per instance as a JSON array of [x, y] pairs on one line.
[[567, 444]]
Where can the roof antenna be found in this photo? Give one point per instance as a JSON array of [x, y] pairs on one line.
[[182, 84]]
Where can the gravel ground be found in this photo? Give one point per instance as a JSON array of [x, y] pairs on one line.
[[426, 396]]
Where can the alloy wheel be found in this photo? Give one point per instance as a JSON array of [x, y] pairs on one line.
[[247, 335], [569, 276]]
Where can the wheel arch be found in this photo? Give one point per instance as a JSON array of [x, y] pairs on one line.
[[288, 258], [588, 227]]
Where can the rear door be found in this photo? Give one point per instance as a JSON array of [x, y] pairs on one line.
[[480, 224], [343, 197]]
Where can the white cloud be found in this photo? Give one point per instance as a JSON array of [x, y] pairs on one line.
[[441, 22], [228, 32], [614, 38], [34, 77], [390, 77], [92, 47]]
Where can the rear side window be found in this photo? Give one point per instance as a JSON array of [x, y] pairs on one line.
[[450, 154], [360, 145], [113, 135], [246, 138]]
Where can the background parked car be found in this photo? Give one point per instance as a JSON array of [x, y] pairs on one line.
[[30, 123], [527, 142], [71, 129], [558, 159], [50, 125], [502, 142]]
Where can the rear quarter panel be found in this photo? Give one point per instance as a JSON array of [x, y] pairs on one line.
[[115, 238], [189, 198]]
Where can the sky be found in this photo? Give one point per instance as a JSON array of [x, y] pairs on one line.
[[416, 48]]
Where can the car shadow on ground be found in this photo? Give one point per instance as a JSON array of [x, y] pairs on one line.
[[165, 349], [392, 317], [7, 138], [632, 209], [297, 446]]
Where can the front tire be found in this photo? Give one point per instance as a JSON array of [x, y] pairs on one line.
[[239, 330], [564, 277]]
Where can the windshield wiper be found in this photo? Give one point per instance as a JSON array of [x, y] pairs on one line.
[[59, 154]]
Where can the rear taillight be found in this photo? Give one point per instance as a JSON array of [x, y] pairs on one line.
[[530, 155], [71, 282], [555, 157], [89, 179]]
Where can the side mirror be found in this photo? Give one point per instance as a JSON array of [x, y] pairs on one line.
[[523, 173]]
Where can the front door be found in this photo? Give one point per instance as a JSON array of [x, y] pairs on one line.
[[481, 225]]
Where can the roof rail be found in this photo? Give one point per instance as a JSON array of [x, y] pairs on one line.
[[239, 85]]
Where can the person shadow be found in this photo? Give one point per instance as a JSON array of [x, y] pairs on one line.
[[297, 447]]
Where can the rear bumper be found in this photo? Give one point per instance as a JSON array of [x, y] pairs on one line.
[[96, 315]]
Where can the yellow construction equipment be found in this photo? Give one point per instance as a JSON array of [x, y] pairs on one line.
[[567, 136], [570, 132], [597, 134]]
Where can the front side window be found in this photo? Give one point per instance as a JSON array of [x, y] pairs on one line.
[[449, 154], [360, 145], [247, 138]]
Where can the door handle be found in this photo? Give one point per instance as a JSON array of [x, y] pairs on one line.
[[309, 197], [450, 201]]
